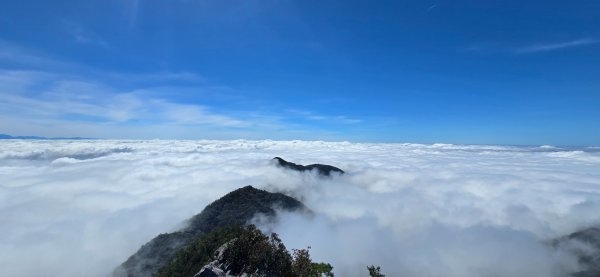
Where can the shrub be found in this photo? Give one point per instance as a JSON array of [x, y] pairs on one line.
[[375, 271]]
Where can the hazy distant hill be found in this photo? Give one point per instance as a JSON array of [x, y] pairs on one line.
[[5, 136], [322, 169]]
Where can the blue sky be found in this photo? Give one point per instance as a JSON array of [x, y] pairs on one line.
[[486, 72]]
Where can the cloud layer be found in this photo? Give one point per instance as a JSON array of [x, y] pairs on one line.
[[72, 208]]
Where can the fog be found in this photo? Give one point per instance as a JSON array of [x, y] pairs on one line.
[[79, 208]]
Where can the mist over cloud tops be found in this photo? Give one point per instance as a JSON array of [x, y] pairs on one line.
[[93, 203]]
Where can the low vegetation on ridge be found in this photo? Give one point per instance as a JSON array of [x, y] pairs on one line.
[[249, 251]]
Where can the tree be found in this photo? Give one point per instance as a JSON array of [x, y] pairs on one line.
[[303, 266], [253, 252], [256, 254], [375, 271], [322, 269]]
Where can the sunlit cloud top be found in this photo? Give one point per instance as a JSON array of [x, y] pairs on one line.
[[416, 210]]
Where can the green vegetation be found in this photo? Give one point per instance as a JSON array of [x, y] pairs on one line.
[[375, 271], [322, 269], [249, 251], [303, 266], [185, 252], [234, 209], [252, 252], [239, 206], [255, 253], [200, 252]]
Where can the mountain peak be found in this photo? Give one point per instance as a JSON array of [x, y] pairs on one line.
[[322, 169], [235, 208]]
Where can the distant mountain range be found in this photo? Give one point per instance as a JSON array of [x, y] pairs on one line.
[[5, 136]]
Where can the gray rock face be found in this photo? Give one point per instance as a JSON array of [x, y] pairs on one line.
[[216, 268], [235, 208], [211, 271]]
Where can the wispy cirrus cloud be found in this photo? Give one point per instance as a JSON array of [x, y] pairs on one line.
[[31, 60], [44, 96], [85, 37], [545, 47], [16, 55], [56, 104], [431, 8], [60, 97], [530, 48], [309, 115]]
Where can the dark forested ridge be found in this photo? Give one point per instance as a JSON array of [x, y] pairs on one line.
[[585, 244], [234, 209], [322, 169], [199, 252], [243, 251], [239, 206]]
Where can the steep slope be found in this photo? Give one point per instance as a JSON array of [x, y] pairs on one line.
[[585, 244], [235, 208], [322, 169], [253, 253]]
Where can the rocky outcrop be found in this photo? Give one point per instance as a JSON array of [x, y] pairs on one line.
[[218, 267], [322, 169], [236, 208]]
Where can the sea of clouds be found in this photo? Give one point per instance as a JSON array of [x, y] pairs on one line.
[[80, 208]]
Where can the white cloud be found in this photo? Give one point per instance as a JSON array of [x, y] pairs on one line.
[[309, 115], [75, 208], [431, 8], [531, 48], [556, 46], [16, 55], [50, 97], [36, 102], [84, 36], [57, 96]]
